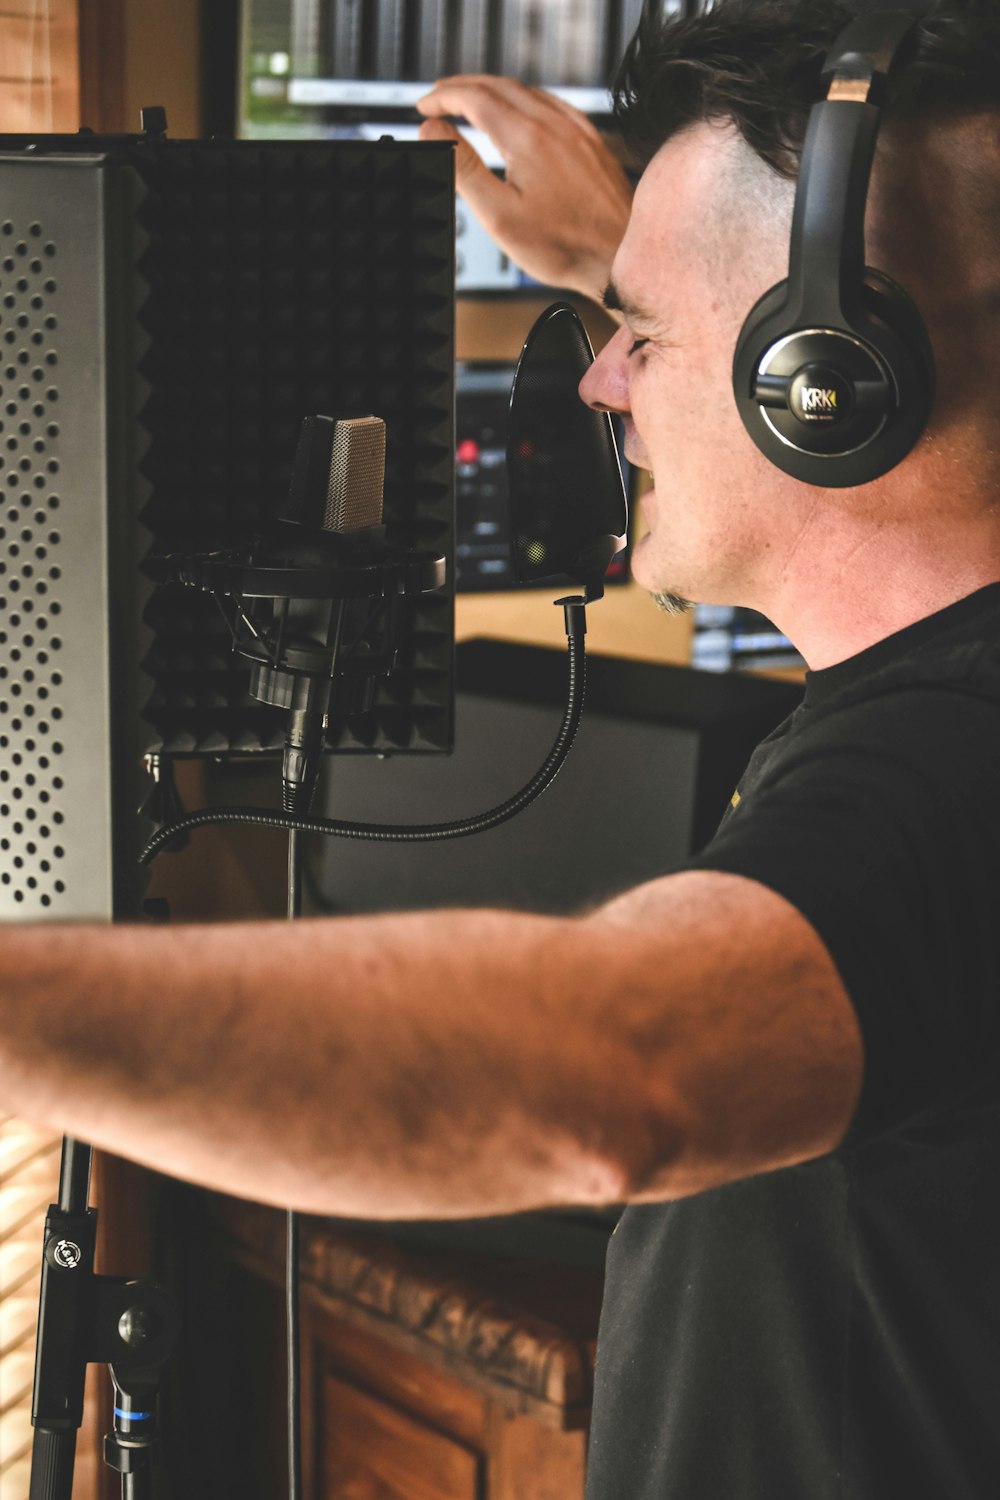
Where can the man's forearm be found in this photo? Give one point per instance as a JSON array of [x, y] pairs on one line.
[[446, 1063], [419, 1065]]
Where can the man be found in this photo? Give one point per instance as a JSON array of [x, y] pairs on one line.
[[833, 1329], [786, 1058]]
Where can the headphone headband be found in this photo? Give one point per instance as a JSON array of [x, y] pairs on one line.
[[833, 373], [827, 251], [867, 48]]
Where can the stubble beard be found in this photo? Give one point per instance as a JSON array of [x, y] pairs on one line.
[[672, 604]]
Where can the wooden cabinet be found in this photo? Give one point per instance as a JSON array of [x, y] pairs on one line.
[[388, 1426], [372, 1451], [427, 1374]]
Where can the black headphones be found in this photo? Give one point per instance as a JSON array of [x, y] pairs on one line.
[[833, 371]]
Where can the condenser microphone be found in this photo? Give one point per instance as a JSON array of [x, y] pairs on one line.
[[333, 512], [338, 477], [300, 603]]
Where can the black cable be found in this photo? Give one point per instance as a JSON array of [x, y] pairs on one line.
[[292, 1305], [294, 875], [417, 833], [294, 1350]]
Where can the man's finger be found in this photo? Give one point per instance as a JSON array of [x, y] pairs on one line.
[[571, 112], [483, 192], [494, 105]]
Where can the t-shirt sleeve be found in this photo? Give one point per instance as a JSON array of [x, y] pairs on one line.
[[881, 825]]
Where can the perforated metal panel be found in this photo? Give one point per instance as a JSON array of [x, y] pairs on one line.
[[63, 758]]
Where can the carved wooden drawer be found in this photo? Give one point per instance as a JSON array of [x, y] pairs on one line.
[[431, 1375]]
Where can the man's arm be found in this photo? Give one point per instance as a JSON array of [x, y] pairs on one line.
[[443, 1064], [561, 210]]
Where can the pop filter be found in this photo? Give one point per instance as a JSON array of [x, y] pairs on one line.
[[568, 510]]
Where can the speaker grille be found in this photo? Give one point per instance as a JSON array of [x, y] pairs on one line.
[[32, 812], [71, 641]]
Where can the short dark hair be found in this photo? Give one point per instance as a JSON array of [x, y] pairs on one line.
[[757, 63]]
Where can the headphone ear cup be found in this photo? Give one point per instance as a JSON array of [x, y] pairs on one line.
[[884, 331], [762, 311], [887, 305]]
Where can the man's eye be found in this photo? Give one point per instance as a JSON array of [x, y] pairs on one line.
[[638, 344]]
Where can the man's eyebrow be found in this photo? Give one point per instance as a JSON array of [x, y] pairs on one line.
[[611, 298], [615, 301]]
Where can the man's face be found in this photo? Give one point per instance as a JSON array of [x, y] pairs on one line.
[[685, 275]]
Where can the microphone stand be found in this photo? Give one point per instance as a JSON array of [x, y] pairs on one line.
[[83, 1318]]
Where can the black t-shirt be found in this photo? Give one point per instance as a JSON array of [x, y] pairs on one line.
[[831, 1331]]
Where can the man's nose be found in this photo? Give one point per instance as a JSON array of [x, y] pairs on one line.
[[605, 385]]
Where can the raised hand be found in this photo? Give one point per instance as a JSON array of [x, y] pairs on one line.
[[562, 209]]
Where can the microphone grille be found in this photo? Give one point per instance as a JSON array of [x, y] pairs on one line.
[[357, 475]]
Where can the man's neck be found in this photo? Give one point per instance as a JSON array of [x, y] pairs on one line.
[[855, 590]]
